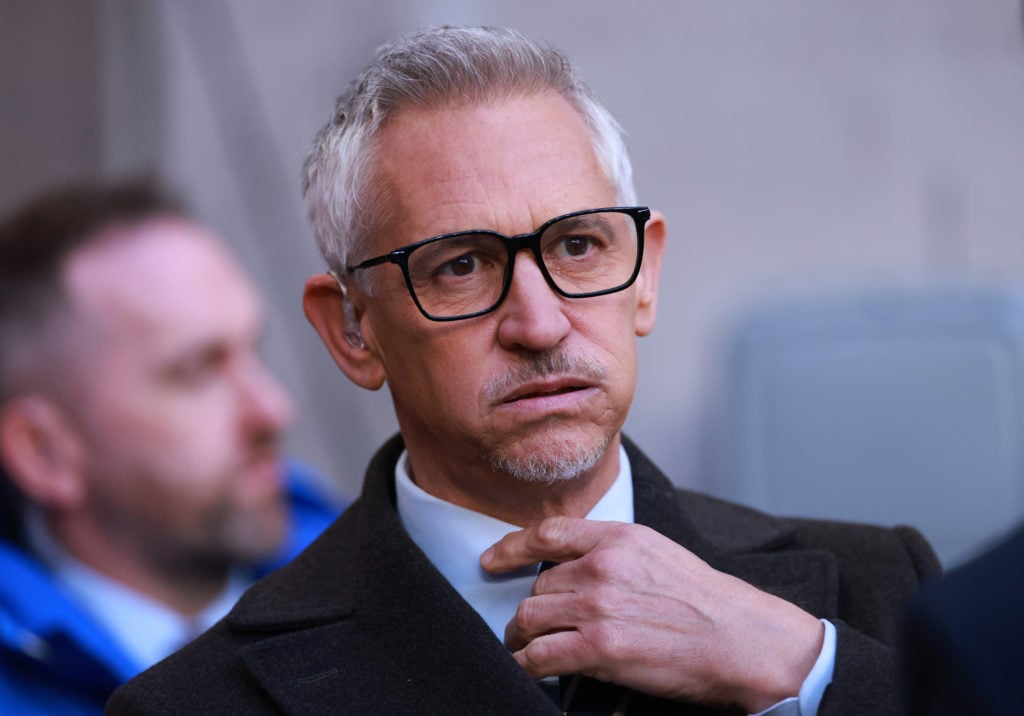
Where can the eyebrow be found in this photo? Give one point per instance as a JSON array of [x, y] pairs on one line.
[[587, 220]]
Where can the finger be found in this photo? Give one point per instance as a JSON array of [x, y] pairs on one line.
[[563, 652], [556, 539], [537, 616], [557, 578], [605, 566]]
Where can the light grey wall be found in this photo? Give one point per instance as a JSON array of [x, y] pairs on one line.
[[51, 107], [791, 143]]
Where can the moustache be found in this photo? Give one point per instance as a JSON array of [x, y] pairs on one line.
[[263, 443]]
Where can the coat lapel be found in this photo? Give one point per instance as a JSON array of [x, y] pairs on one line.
[[362, 622]]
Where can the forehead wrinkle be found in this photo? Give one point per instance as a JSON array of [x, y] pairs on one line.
[[482, 208], [461, 210], [437, 185]]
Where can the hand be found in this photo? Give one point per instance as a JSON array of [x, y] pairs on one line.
[[626, 604]]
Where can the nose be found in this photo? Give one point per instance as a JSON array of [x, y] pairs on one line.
[[532, 316], [267, 406]]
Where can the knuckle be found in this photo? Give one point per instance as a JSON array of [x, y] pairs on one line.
[[526, 614], [551, 532], [605, 638], [605, 563], [529, 660], [537, 656], [541, 651], [597, 603]]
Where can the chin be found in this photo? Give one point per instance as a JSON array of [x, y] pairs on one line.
[[554, 459], [258, 535]]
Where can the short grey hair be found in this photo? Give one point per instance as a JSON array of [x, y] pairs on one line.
[[435, 68]]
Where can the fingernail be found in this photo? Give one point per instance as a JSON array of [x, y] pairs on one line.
[[487, 557]]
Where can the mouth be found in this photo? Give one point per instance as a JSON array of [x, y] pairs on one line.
[[551, 388], [264, 473]]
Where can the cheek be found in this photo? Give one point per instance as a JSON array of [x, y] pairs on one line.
[[612, 342], [439, 383], [610, 329], [173, 479], [188, 435], [439, 363]]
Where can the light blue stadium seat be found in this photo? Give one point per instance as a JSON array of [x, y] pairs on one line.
[[887, 405]]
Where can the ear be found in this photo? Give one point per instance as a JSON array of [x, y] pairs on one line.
[[338, 320], [650, 273], [41, 452]]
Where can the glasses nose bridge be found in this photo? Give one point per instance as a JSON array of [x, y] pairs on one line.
[[520, 242]]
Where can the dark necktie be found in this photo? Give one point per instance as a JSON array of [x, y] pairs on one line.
[[584, 696]]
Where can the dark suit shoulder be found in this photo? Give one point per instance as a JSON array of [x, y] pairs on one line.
[[738, 527], [965, 638], [898, 547], [996, 571], [880, 569]]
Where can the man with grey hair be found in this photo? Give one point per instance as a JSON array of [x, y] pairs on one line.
[[512, 552]]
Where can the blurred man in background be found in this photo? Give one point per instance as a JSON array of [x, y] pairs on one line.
[[139, 438]]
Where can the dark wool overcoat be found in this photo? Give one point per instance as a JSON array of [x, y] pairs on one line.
[[362, 623]]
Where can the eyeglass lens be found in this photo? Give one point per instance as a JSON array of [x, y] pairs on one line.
[[582, 255]]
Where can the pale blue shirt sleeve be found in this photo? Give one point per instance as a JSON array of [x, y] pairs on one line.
[[813, 688]]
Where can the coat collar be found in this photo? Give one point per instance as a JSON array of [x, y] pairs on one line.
[[364, 587]]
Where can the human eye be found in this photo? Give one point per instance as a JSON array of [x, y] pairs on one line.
[[576, 245], [583, 238], [462, 265], [197, 367], [454, 259]]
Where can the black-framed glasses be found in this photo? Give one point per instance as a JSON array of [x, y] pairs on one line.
[[468, 273]]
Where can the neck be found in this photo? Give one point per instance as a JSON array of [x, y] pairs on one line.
[[184, 586], [520, 502]]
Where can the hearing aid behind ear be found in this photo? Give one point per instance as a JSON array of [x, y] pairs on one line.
[[353, 336]]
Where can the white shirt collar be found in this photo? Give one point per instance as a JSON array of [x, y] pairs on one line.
[[146, 629], [453, 538]]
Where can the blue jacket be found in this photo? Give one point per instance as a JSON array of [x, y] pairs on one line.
[[56, 659]]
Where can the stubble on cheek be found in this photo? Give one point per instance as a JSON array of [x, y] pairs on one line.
[[248, 533]]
